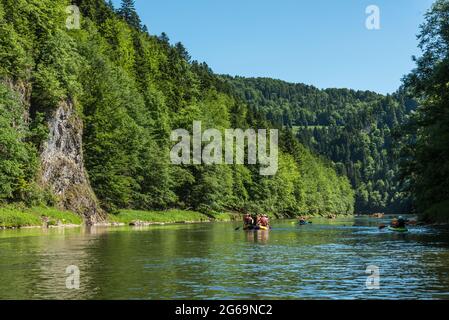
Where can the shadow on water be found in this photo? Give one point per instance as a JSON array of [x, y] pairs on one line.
[[326, 260]]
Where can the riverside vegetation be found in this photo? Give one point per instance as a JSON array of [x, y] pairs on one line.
[[86, 116]]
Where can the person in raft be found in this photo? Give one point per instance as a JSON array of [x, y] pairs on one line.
[[302, 221], [399, 222], [248, 221], [255, 218], [264, 221]]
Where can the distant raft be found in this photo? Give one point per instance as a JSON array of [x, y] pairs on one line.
[[255, 228], [403, 229]]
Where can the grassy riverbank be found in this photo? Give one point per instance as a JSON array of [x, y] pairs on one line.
[[137, 217], [19, 216], [169, 216], [16, 217]]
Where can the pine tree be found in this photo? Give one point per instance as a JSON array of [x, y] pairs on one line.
[[182, 51], [164, 38], [128, 12]]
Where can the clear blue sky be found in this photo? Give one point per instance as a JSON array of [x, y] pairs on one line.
[[319, 42]]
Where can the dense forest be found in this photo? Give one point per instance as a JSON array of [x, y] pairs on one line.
[[86, 115], [425, 135], [354, 129], [122, 91]]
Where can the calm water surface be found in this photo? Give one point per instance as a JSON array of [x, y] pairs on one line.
[[325, 260]]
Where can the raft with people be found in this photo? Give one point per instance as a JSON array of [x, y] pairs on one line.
[[255, 228], [397, 225], [256, 222], [396, 229], [302, 221]]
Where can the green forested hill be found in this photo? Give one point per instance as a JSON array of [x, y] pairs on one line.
[[425, 136], [130, 89], [354, 129]]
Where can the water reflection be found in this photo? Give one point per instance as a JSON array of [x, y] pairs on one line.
[[326, 260], [260, 236]]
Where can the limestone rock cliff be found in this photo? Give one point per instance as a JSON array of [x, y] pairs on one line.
[[63, 165]]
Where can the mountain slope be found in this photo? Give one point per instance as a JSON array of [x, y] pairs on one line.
[[354, 129]]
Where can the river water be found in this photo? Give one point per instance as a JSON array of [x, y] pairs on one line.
[[324, 260]]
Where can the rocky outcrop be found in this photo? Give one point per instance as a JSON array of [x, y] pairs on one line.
[[63, 165]]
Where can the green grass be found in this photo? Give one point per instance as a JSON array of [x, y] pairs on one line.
[[224, 216], [55, 215], [12, 216], [169, 216]]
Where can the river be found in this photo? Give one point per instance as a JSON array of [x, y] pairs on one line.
[[324, 260]]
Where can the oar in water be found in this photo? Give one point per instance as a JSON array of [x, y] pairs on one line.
[[238, 228]]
